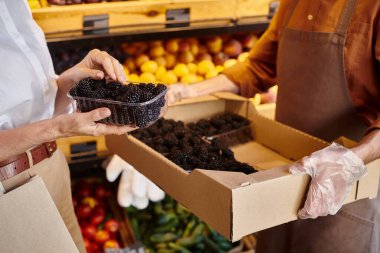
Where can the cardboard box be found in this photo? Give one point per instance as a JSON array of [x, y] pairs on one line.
[[236, 204], [30, 222]]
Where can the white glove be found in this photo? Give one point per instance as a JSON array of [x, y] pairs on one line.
[[179, 91], [134, 188], [333, 170]]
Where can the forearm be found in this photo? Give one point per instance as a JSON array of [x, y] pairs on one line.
[[18, 140], [368, 149], [216, 84]]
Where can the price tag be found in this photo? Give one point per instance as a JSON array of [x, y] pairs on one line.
[[95, 24], [182, 16], [135, 248], [273, 7]]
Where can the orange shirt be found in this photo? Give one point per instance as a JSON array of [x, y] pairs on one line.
[[361, 53]]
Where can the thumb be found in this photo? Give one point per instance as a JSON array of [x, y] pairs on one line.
[[300, 167], [97, 114]]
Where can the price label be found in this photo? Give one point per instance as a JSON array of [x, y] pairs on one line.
[[273, 7], [95, 24], [180, 16], [135, 248]]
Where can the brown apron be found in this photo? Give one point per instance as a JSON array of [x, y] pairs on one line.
[[313, 96]]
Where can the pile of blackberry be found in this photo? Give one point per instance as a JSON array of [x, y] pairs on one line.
[[219, 124], [187, 150], [135, 113]]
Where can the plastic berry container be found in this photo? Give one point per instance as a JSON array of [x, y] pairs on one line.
[[124, 114]]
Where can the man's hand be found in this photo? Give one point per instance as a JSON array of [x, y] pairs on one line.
[[206, 87], [333, 170]]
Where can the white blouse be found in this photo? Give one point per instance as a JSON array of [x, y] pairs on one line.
[[27, 80]]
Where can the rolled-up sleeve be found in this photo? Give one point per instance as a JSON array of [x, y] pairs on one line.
[[258, 72]]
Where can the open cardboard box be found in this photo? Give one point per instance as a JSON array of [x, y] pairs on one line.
[[236, 204]]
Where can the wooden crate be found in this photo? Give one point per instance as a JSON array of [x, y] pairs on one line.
[[247, 9], [133, 15]]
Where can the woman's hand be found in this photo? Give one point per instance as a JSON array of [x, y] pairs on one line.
[[86, 124], [97, 65]]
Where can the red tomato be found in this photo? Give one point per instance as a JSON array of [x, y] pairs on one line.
[[75, 202], [97, 218], [101, 192], [111, 244], [102, 236], [89, 231], [100, 209], [87, 244], [84, 191], [112, 225], [83, 211]]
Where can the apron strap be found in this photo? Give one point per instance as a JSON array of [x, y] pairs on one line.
[[345, 17]]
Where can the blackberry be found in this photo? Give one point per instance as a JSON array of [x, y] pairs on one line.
[[160, 88]]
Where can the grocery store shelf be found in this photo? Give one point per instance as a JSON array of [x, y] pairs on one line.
[[93, 24], [154, 32]]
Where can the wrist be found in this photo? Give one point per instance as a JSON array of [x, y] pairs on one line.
[[368, 148]]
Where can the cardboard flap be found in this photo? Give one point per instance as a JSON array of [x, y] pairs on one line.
[[346, 142], [189, 111], [230, 96], [194, 100], [283, 139]]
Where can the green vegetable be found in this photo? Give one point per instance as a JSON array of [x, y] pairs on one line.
[[179, 248], [156, 238]]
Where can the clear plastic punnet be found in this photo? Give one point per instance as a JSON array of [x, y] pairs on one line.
[[131, 114]]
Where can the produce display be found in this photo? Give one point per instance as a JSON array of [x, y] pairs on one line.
[[100, 228], [130, 104], [168, 227], [170, 61], [188, 150]]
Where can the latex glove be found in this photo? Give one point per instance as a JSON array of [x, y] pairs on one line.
[[179, 91], [333, 170], [134, 188]]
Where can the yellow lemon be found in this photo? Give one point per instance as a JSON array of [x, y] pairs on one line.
[[219, 68], [189, 78], [126, 70], [181, 70], [205, 66], [169, 77], [229, 63], [133, 78], [243, 56], [211, 74], [161, 70], [149, 67], [192, 67], [200, 78], [147, 77]]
